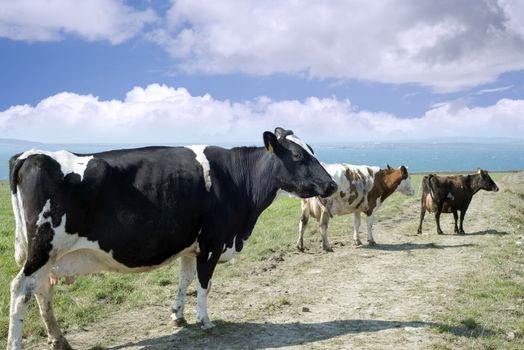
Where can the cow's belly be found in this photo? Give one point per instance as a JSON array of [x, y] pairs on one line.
[[86, 259], [428, 203], [447, 208], [343, 207]]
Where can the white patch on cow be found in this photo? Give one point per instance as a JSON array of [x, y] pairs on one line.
[[299, 142], [69, 163], [20, 287], [229, 253], [209, 255], [202, 159], [45, 210], [356, 226], [186, 275], [20, 235], [362, 184], [202, 316], [22, 212], [450, 196], [84, 257], [371, 220]]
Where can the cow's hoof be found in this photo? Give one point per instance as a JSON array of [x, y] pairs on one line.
[[419, 232], [439, 232], [300, 247], [60, 344], [328, 249], [372, 243], [180, 322], [357, 242], [206, 324], [461, 232]]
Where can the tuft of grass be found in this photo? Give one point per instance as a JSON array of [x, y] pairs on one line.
[[469, 323]]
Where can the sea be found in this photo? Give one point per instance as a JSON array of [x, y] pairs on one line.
[[438, 157]]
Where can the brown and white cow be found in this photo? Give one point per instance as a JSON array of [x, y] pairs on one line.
[[450, 194], [361, 189]]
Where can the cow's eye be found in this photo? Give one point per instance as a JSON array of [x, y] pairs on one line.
[[297, 156]]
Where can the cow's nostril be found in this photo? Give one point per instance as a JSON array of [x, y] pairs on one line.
[[332, 186]]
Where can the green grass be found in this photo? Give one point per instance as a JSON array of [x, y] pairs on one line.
[[492, 300]]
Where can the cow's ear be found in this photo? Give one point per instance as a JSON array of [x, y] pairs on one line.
[[479, 171], [404, 172], [389, 167], [270, 141], [310, 148]]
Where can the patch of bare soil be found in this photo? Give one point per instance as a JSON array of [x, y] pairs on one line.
[[382, 297]]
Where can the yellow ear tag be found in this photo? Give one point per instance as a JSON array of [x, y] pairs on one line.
[[270, 148]]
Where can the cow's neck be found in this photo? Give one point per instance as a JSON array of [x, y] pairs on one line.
[[390, 183], [255, 177], [474, 183]]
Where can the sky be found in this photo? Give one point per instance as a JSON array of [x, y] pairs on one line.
[[195, 71]]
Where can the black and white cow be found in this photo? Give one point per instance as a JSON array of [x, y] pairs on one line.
[[134, 210]]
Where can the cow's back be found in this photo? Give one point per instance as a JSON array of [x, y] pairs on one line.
[[445, 191], [354, 184]]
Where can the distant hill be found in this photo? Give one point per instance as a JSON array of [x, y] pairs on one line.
[[19, 143]]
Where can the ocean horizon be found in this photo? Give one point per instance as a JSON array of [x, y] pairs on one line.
[[419, 157]]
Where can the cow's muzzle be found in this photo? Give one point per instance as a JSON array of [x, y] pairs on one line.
[[330, 189]]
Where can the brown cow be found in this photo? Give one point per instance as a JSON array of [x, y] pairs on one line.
[[450, 194], [361, 189]]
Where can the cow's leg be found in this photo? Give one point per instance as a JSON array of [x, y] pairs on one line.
[[205, 264], [370, 220], [437, 219], [186, 275], [302, 225], [324, 220], [455, 219], [44, 297], [22, 289], [356, 227], [461, 227], [31, 279], [422, 213]]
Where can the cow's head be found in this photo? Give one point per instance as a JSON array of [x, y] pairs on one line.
[[405, 186], [486, 182], [298, 171]]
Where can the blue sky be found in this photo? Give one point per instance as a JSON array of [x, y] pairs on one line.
[[202, 71]]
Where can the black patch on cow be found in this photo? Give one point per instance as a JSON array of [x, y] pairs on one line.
[[39, 249]]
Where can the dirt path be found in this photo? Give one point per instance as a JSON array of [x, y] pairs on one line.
[[385, 297]]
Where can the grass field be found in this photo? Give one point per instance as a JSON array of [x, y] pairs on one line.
[[487, 305]]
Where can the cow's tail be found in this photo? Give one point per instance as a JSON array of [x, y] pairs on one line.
[[428, 185], [16, 199], [424, 186]]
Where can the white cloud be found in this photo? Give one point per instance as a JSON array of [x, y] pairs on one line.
[[447, 45], [46, 20], [498, 89], [161, 114]]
